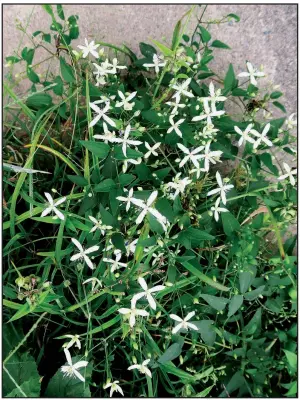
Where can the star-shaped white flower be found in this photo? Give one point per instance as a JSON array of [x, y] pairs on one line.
[[157, 63], [244, 134], [291, 122], [74, 340], [125, 103], [175, 104], [130, 161], [101, 113], [89, 48], [115, 66], [83, 253], [289, 174], [198, 171], [53, 206], [146, 206], [151, 150], [210, 156], [262, 137], [178, 184], [208, 114], [175, 126], [115, 264], [114, 387], [183, 324], [182, 89], [99, 225], [94, 281], [70, 370], [252, 74], [215, 96], [222, 189], [108, 136], [128, 199], [133, 312], [147, 293], [125, 141], [142, 368], [216, 209], [192, 156]]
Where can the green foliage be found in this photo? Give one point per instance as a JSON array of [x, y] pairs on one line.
[[143, 205]]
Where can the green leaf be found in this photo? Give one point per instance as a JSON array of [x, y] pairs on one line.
[[171, 353], [39, 100], [234, 304], [205, 35], [171, 369], [105, 186], [254, 325], [279, 105], [266, 158], [246, 278], [147, 50], [193, 236], [78, 180], [164, 49], [204, 392], [206, 330], [229, 81], [254, 293], [236, 381], [32, 76], [275, 95], [203, 277], [27, 55], [73, 25], [131, 153], [47, 37], [234, 16], [66, 71], [218, 303], [176, 36], [59, 87], [100, 150], [118, 241], [292, 360], [230, 224], [126, 179], [48, 9], [219, 44], [60, 11]]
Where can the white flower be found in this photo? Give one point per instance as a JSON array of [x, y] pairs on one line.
[[125, 141], [52, 206], [108, 136], [290, 122], [216, 209], [74, 340], [157, 258], [222, 189], [190, 155], [147, 293], [178, 184], [102, 72], [142, 368], [89, 48], [182, 89], [115, 66], [146, 206], [99, 225], [215, 96], [83, 253], [157, 62], [198, 171], [262, 137], [70, 370], [208, 114], [252, 73], [127, 199], [151, 149], [115, 264], [132, 161], [125, 103], [289, 174], [175, 104], [133, 312], [244, 134], [114, 387], [175, 126], [183, 324], [95, 282], [210, 156], [101, 114]]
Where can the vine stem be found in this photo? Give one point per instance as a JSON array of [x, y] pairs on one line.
[[34, 326]]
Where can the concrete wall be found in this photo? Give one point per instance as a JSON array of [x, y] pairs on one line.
[[266, 34]]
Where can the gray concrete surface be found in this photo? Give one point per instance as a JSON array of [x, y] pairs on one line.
[[266, 34]]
